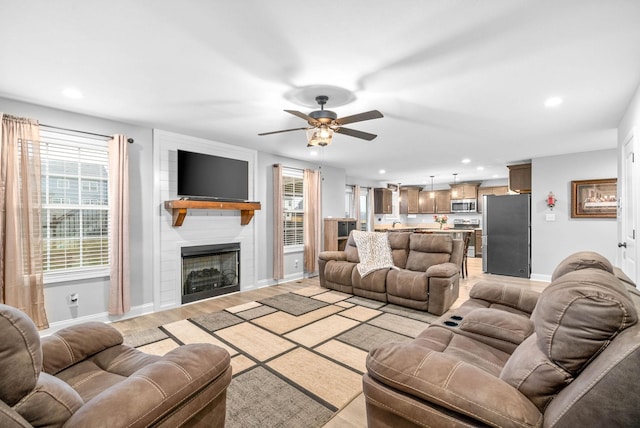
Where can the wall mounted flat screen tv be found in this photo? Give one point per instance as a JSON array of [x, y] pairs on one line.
[[202, 176]]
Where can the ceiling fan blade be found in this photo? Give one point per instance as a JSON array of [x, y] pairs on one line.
[[373, 114], [357, 134], [301, 115], [284, 130]]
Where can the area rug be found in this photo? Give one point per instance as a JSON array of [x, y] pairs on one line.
[[297, 358]]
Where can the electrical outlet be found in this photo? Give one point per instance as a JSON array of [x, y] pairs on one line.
[[296, 264], [73, 299]]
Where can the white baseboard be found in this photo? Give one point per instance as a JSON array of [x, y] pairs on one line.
[[148, 308], [540, 277], [144, 309]]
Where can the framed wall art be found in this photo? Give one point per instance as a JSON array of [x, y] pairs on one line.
[[594, 198]]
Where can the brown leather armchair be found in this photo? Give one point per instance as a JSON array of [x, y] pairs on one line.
[[572, 362], [84, 376]]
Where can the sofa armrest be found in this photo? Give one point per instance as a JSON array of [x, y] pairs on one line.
[[448, 382], [508, 295], [498, 325], [443, 270], [333, 255], [9, 418], [159, 388], [70, 345], [496, 328]]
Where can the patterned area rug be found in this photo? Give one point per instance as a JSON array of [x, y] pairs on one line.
[[297, 358]]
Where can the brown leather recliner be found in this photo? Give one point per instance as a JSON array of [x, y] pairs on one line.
[[84, 376], [573, 362]]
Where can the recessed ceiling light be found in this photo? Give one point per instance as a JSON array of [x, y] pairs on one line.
[[495, 176], [553, 102], [313, 153], [480, 168], [466, 160], [382, 171], [72, 93]]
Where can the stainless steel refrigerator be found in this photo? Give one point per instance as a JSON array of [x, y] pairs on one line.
[[506, 235]]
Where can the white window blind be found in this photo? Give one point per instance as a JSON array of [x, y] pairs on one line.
[[75, 203], [293, 206]]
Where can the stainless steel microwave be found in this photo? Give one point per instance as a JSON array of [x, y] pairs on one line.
[[464, 206]]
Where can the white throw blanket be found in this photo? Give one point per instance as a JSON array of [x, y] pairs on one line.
[[374, 251]]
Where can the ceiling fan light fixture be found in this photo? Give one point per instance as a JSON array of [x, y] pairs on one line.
[[320, 136]]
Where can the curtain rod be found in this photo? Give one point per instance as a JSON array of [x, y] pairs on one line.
[[129, 140]]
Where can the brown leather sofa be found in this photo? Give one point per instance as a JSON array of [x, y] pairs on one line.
[[83, 376], [567, 357], [426, 274]]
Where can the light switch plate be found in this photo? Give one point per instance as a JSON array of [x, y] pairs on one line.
[[551, 217]]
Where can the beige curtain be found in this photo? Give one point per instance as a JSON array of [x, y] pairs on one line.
[[312, 223], [278, 224], [21, 276], [371, 219], [119, 292], [356, 205]]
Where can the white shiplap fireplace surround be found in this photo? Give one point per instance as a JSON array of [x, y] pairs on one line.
[[200, 227]]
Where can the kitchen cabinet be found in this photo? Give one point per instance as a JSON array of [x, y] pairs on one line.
[[495, 190], [336, 232], [520, 178], [382, 201], [427, 202], [409, 200], [443, 201], [464, 191]]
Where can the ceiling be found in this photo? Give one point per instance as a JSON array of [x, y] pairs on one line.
[[454, 78]]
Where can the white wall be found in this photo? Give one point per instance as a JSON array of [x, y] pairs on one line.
[[94, 293], [552, 241], [200, 227], [333, 185]]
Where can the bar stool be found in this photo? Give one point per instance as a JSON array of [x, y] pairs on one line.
[[464, 268]]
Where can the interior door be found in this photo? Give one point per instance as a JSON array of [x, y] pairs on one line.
[[628, 209]]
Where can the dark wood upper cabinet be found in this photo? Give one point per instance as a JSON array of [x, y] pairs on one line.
[[520, 178], [382, 201]]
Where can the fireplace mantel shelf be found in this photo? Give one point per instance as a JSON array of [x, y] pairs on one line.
[[179, 207]]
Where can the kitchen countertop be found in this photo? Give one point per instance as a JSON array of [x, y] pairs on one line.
[[418, 227]]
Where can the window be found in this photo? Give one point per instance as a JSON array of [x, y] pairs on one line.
[[363, 216], [293, 206], [348, 202], [350, 206], [75, 205]]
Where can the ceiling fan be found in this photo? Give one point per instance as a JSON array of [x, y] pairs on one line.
[[323, 123]]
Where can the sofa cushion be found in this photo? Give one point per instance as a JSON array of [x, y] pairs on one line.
[[579, 314], [68, 346], [408, 284], [399, 242], [351, 250], [581, 260], [50, 403], [576, 317], [375, 282], [500, 295], [533, 374], [499, 325], [339, 272], [426, 250], [20, 354], [374, 251]]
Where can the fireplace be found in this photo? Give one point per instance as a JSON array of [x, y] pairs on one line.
[[210, 270]]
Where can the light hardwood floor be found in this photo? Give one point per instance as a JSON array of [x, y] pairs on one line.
[[354, 414]]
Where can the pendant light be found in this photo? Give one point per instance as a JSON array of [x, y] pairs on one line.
[[432, 194], [454, 192]]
